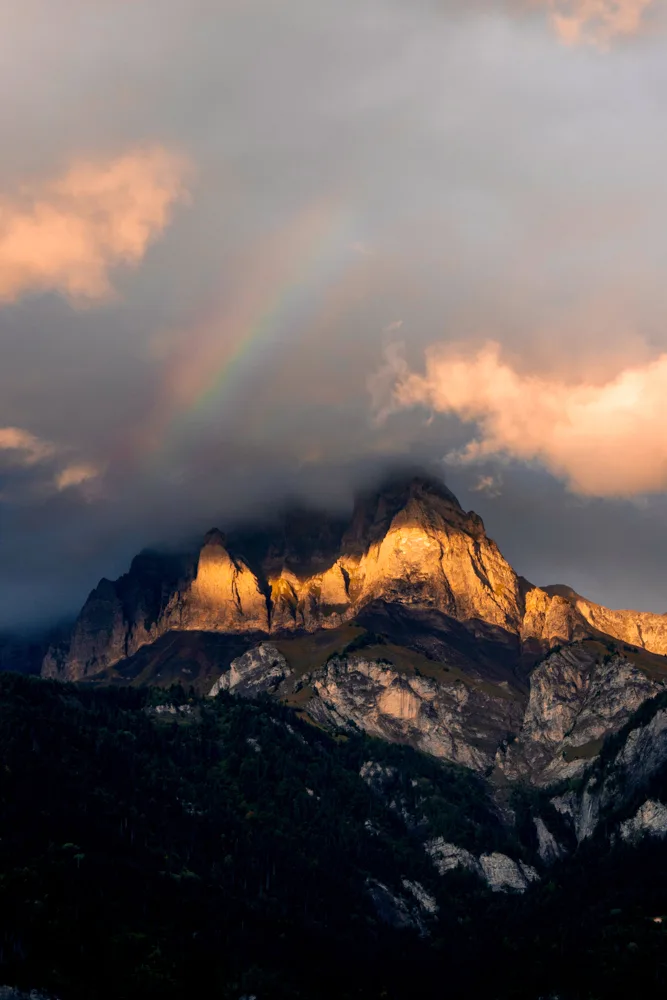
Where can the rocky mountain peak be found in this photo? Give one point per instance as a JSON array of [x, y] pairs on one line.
[[408, 546], [414, 497]]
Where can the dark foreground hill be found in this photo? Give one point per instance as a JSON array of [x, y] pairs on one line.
[[158, 845]]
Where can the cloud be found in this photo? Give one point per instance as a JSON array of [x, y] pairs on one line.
[[66, 233], [51, 465], [597, 22], [29, 449], [604, 439], [490, 485], [76, 475]]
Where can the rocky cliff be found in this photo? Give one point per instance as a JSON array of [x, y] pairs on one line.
[[640, 628], [410, 545], [460, 634]]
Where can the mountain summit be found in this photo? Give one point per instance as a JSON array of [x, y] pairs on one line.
[[408, 546]]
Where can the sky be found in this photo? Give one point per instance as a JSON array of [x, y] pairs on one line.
[[259, 251]]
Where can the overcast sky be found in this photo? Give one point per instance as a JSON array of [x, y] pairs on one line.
[[258, 249]]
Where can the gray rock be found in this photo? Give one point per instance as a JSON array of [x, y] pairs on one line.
[[503, 873], [583, 810], [649, 820], [500, 872], [394, 909], [424, 899], [576, 700], [261, 670], [451, 720], [548, 847], [446, 857]]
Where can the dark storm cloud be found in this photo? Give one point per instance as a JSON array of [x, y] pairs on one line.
[[215, 217]]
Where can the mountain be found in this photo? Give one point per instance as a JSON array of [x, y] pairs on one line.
[[338, 758], [406, 622], [408, 545]]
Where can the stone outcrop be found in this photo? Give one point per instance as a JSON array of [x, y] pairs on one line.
[[642, 754], [500, 872], [225, 595], [548, 847], [259, 671], [578, 696], [448, 719], [447, 857], [551, 619], [396, 910], [639, 628], [649, 820], [503, 873]]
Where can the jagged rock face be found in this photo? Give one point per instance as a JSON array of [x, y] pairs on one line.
[[582, 809], [551, 619], [548, 847], [99, 638], [446, 857], [500, 872], [413, 546], [641, 756], [649, 820], [394, 909], [577, 697], [503, 873], [259, 671], [645, 750], [639, 628], [225, 595], [430, 553], [424, 899], [449, 720]]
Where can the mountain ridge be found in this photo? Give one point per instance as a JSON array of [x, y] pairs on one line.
[[408, 544]]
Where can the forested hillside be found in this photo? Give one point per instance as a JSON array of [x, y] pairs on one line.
[[156, 845]]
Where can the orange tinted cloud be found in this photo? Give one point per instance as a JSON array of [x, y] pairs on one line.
[[596, 22], [76, 475], [65, 234], [29, 449], [605, 439]]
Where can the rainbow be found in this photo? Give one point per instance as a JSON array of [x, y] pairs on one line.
[[277, 296]]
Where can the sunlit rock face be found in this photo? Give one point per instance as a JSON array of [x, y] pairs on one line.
[[639, 628], [418, 547], [225, 594], [551, 619], [578, 696], [410, 547]]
